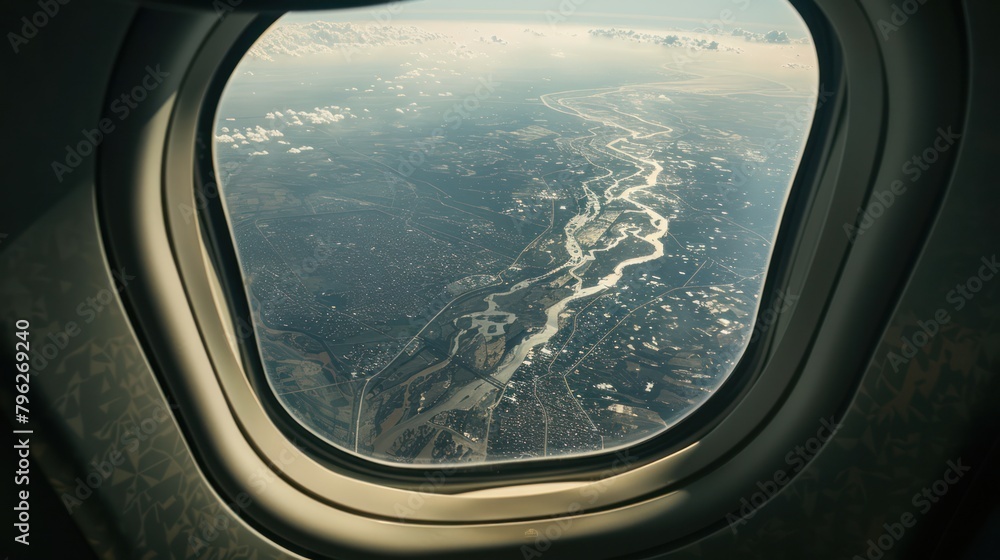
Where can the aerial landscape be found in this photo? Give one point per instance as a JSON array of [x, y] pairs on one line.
[[469, 241]]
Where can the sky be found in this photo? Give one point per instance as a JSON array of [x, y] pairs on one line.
[[756, 15]]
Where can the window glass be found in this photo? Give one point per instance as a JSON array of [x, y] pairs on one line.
[[533, 231]]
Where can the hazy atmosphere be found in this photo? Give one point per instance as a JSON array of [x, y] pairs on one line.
[[517, 234]]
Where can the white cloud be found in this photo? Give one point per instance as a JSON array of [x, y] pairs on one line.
[[322, 37], [319, 115], [260, 134]]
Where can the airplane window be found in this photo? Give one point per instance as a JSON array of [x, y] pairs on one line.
[[487, 235]]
